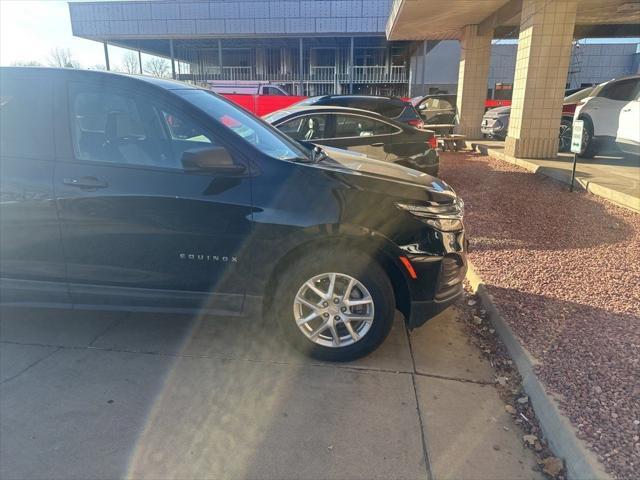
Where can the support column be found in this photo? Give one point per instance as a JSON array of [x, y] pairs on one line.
[[542, 65], [106, 56], [300, 67], [140, 61], [351, 50], [475, 57], [173, 60]]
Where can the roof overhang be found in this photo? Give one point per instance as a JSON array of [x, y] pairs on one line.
[[444, 19]]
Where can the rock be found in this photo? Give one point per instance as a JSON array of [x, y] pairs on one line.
[[597, 389], [510, 409], [471, 303], [530, 439], [496, 448], [523, 400], [491, 330], [502, 380], [552, 466], [636, 422], [477, 320]]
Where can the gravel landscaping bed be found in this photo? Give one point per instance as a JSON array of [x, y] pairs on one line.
[[564, 270]]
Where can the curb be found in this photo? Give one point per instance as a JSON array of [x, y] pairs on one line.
[[580, 462], [619, 198]]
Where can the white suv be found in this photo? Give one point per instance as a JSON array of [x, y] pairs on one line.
[[612, 115]]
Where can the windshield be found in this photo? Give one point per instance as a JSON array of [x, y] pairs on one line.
[[251, 129], [275, 116], [576, 97]]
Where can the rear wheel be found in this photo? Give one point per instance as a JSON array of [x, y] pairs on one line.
[[588, 142], [336, 309], [564, 138]]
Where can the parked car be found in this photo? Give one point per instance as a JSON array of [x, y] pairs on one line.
[[361, 131], [390, 107], [439, 111], [246, 87], [137, 193], [495, 123], [611, 114]]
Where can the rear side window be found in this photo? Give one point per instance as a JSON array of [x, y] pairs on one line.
[[26, 118], [624, 90], [358, 126]]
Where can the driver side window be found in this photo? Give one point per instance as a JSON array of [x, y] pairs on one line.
[[118, 127], [307, 127]]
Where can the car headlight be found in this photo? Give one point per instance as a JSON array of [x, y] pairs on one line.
[[444, 217], [498, 125]]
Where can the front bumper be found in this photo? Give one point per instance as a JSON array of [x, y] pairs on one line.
[[439, 281], [493, 127]]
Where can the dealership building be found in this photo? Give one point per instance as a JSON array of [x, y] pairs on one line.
[[313, 47], [391, 47]]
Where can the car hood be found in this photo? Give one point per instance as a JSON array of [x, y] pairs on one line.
[[498, 112], [396, 177]]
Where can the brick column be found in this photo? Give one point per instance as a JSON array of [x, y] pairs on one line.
[[475, 56], [542, 65]]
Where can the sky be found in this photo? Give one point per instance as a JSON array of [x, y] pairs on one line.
[[30, 29]]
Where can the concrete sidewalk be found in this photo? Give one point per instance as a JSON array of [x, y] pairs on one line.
[[94, 395], [611, 175]]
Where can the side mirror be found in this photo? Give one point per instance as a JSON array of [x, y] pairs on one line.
[[210, 159]]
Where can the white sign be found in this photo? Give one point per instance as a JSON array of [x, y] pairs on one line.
[[576, 136]]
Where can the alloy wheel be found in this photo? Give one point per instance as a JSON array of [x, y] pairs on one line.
[[565, 137], [333, 310]]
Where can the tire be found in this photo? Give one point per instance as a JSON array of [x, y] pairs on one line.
[[313, 269], [589, 149], [564, 137]]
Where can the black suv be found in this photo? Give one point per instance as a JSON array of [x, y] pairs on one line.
[[135, 193], [390, 107]]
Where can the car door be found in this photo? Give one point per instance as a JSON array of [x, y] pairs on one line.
[[138, 228], [629, 120], [437, 111], [363, 134], [32, 267], [605, 108]]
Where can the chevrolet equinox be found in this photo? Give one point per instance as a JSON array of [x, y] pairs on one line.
[[134, 193]]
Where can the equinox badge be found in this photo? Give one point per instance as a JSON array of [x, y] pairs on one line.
[[207, 258]]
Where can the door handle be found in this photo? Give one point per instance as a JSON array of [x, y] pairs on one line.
[[88, 183], [379, 144]]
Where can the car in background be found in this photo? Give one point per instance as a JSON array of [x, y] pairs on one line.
[[439, 111], [611, 115], [136, 193], [495, 123], [389, 107], [360, 131]]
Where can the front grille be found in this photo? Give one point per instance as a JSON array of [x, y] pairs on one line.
[[452, 272]]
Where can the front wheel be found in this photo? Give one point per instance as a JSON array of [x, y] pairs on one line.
[[588, 142], [335, 309]]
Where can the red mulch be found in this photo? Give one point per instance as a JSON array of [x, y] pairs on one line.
[[564, 269]]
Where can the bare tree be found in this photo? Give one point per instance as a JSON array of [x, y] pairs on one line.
[[61, 57], [130, 63], [26, 63], [156, 66]]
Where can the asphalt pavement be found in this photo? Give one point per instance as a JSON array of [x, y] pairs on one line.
[[89, 395]]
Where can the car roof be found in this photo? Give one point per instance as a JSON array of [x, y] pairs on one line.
[[164, 83], [287, 112], [331, 108]]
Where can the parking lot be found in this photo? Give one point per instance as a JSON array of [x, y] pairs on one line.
[[105, 395]]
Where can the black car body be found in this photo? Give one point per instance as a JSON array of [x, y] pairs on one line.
[[390, 107], [360, 131], [133, 193]]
